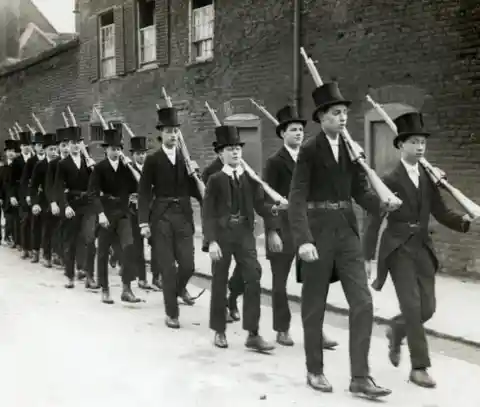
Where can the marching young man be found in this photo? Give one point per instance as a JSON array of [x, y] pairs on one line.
[[57, 219], [70, 194], [406, 251], [38, 195], [111, 185], [138, 148], [33, 223], [17, 195], [12, 222], [236, 286], [230, 200], [325, 233], [165, 213], [280, 248]]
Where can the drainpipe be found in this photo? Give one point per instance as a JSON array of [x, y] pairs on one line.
[[297, 68]]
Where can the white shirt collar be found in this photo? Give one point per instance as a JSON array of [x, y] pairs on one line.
[[227, 169], [41, 157], [140, 166], [9, 162], [171, 154], [410, 168], [333, 141], [293, 153], [114, 164], [26, 156], [77, 159]]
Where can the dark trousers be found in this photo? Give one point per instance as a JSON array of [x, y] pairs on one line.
[[413, 274], [9, 225], [281, 264], [73, 238], [172, 242], [340, 248], [36, 225], [49, 228], [58, 235], [120, 229], [240, 243], [14, 223], [26, 227], [138, 248]]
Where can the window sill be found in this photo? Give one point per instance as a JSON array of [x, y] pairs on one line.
[[200, 62], [148, 66], [108, 78]]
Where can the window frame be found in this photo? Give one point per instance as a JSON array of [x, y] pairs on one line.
[[106, 59], [193, 42], [140, 31]]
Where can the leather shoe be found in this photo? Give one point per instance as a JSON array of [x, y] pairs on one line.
[[143, 285], [228, 316], [328, 343], [394, 348], [187, 298], [35, 257], [220, 340], [129, 296], [70, 284], [256, 342], [421, 378], [90, 284], [172, 323], [106, 299], [365, 386], [284, 338], [319, 382]]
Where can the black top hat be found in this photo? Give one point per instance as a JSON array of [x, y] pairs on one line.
[[138, 144], [226, 136], [408, 125], [167, 116], [112, 137], [10, 144], [49, 139], [287, 115], [63, 134], [25, 137], [37, 138], [326, 96]]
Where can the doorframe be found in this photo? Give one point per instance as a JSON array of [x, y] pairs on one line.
[[372, 116]]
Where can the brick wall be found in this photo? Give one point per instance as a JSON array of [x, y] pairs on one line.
[[414, 53]]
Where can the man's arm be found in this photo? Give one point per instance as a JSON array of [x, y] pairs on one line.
[[94, 189], [209, 211], [35, 182], [271, 177], [145, 194], [58, 191], [447, 217], [297, 199], [362, 192]]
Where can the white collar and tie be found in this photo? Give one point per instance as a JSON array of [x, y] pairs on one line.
[[114, 164], [334, 145], [233, 172], [293, 153], [26, 157], [413, 172], [139, 166], [77, 160], [171, 154]]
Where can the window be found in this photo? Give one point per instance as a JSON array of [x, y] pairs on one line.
[[147, 36], [96, 131], [202, 29], [107, 45]]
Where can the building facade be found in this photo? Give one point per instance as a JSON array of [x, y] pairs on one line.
[[420, 55]]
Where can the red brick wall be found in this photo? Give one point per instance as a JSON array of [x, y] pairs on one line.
[[404, 52]]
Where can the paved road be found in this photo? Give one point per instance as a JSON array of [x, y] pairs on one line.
[[64, 348]]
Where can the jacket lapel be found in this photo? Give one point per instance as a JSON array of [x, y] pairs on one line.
[[287, 159], [327, 159], [410, 189]]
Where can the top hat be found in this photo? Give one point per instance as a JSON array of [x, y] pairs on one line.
[[25, 137], [326, 96], [49, 139], [285, 116], [138, 144], [63, 134], [72, 133], [167, 116], [11, 144], [226, 136], [408, 125], [37, 138], [112, 137]]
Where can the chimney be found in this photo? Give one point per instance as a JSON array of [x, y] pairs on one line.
[[76, 11]]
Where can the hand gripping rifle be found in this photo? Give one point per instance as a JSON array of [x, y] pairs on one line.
[[357, 155], [274, 195], [437, 177], [191, 170]]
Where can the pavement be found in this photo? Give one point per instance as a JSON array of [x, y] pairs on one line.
[[64, 348], [458, 301]]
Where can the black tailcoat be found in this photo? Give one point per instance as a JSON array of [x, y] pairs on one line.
[[418, 204], [161, 181], [37, 184], [318, 177], [27, 175], [16, 172]]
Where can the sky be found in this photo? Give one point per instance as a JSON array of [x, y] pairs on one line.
[[59, 13]]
